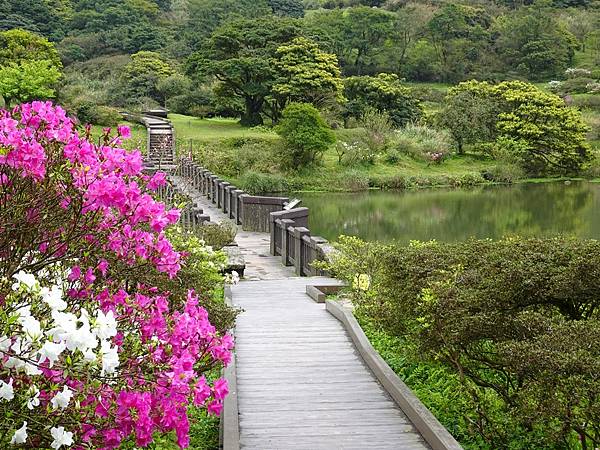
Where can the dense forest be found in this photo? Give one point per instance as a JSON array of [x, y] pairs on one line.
[[374, 65]]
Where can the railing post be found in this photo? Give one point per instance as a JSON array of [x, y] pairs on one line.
[[314, 242], [224, 195], [236, 216], [285, 224], [299, 233]]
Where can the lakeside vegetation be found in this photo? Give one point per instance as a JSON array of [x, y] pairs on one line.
[[499, 338]]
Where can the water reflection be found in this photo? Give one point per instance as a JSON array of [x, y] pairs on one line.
[[451, 215]]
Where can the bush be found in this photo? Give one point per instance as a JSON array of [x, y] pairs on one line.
[[90, 288], [384, 93], [421, 143], [233, 156], [587, 101], [504, 173], [89, 112], [379, 128], [390, 182], [515, 318], [263, 183], [575, 86], [217, 235], [352, 180], [305, 133]]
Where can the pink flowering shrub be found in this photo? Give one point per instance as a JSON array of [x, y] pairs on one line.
[[99, 340]]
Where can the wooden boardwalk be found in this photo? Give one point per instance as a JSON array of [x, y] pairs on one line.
[[300, 382]]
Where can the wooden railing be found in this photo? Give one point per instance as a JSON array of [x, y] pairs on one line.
[[191, 214], [252, 212], [291, 239], [290, 236]]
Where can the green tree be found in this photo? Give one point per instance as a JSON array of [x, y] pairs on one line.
[[549, 136], [385, 93], [27, 81], [142, 75], [470, 116], [241, 56], [287, 8], [17, 46], [305, 133], [409, 26], [173, 86], [460, 35], [29, 66], [356, 35], [305, 74], [205, 16], [533, 42]]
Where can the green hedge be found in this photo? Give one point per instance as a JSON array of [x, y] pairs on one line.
[[517, 320]]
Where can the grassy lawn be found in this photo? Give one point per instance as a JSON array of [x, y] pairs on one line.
[[209, 130], [198, 134]]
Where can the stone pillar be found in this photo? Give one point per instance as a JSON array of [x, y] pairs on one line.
[[299, 233], [285, 224], [223, 197]]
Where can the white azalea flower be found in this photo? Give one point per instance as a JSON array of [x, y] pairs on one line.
[[35, 397], [32, 370], [53, 297], [110, 358], [62, 399], [61, 437], [20, 436], [105, 326], [31, 327], [25, 278], [6, 390], [89, 355], [67, 329], [51, 351]]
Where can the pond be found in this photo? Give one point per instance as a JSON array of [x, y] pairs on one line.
[[453, 215]]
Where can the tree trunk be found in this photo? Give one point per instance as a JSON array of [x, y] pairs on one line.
[[252, 116]]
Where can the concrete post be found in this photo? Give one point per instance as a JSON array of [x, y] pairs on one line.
[[299, 233], [285, 224]]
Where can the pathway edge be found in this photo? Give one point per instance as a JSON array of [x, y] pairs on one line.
[[230, 425], [434, 433]]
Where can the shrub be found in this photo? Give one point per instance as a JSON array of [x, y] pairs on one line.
[[516, 319], [352, 180], [575, 86], [233, 156], [379, 128], [305, 133], [421, 142], [217, 235], [504, 173], [390, 182], [90, 113], [466, 180], [587, 101], [576, 72], [100, 343], [384, 93], [263, 183]]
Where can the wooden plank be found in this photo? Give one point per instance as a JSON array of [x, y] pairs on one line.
[[300, 381]]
